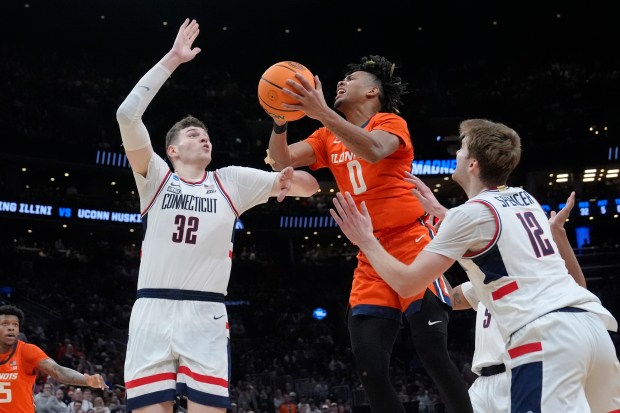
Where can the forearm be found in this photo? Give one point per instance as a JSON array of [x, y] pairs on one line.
[[396, 274], [459, 302], [304, 184], [278, 152], [129, 114], [66, 375], [567, 253], [356, 139]]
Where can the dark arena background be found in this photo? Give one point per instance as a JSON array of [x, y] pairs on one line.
[[69, 212]]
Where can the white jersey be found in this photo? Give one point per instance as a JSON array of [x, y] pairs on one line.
[[490, 348], [189, 226], [502, 239]]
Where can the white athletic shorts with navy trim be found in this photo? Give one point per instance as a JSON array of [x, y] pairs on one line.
[[178, 346], [564, 361], [491, 394]]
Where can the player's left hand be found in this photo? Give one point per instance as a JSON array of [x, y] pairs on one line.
[[557, 219], [310, 97], [355, 225], [182, 46]]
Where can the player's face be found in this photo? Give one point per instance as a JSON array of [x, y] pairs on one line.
[[462, 158], [9, 329], [194, 146], [353, 88]]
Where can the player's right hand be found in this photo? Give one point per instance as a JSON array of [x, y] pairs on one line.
[[96, 381]]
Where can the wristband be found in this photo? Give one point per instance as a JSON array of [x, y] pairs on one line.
[[279, 129]]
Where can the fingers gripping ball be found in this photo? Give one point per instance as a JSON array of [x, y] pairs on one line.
[[270, 95]]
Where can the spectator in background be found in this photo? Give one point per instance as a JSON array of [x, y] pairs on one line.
[[76, 407], [88, 399], [61, 397], [68, 359], [99, 405], [289, 404], [78, 397], [46, 401]]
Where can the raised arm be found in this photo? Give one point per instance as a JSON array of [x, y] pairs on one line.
[[280, 154], [558, 231], [135, 136]]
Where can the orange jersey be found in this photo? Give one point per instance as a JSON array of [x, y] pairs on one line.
[[394, 210], [17, 376], [388, 196]]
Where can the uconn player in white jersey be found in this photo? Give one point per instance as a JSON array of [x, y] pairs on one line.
[[178, 331], [490, 392], [559, 351]]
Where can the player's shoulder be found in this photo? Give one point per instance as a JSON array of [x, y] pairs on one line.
[[31, 349], [234, 172], [388, 118]]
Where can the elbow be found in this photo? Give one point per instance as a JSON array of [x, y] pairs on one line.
[[375, 155], [374, 158], [127, 113], [310, 188], [405, 290], [314, 188], [122, 116]]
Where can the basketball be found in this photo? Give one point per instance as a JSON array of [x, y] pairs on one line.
[[270, 95]]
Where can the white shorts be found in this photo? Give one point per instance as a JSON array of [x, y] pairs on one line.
[[491, 394], [564, 359], [178, 347]]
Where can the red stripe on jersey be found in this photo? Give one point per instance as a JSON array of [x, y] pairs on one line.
[[615, 411], [161, 185], [227, 326], [505, 290], [150, 379], [495, 235], [219, 184], [230, 253], [525, 349], [202, 378]]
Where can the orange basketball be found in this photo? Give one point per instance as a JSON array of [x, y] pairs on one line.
[[270, 95]]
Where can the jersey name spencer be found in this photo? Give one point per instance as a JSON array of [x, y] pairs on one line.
[[520, 275], [17, 377], [388, 196], [189, 226]]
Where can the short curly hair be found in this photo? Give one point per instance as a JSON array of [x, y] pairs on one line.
[[392, 86], [12, 310]]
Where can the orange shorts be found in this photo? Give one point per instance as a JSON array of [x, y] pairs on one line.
[[370, 295]]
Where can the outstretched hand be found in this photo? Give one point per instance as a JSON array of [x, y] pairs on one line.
[[557, 219], [182, 46], [426, 197], [355, 225]]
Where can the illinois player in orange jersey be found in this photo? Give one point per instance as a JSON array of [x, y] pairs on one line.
[[368, 151], [20, 361]]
